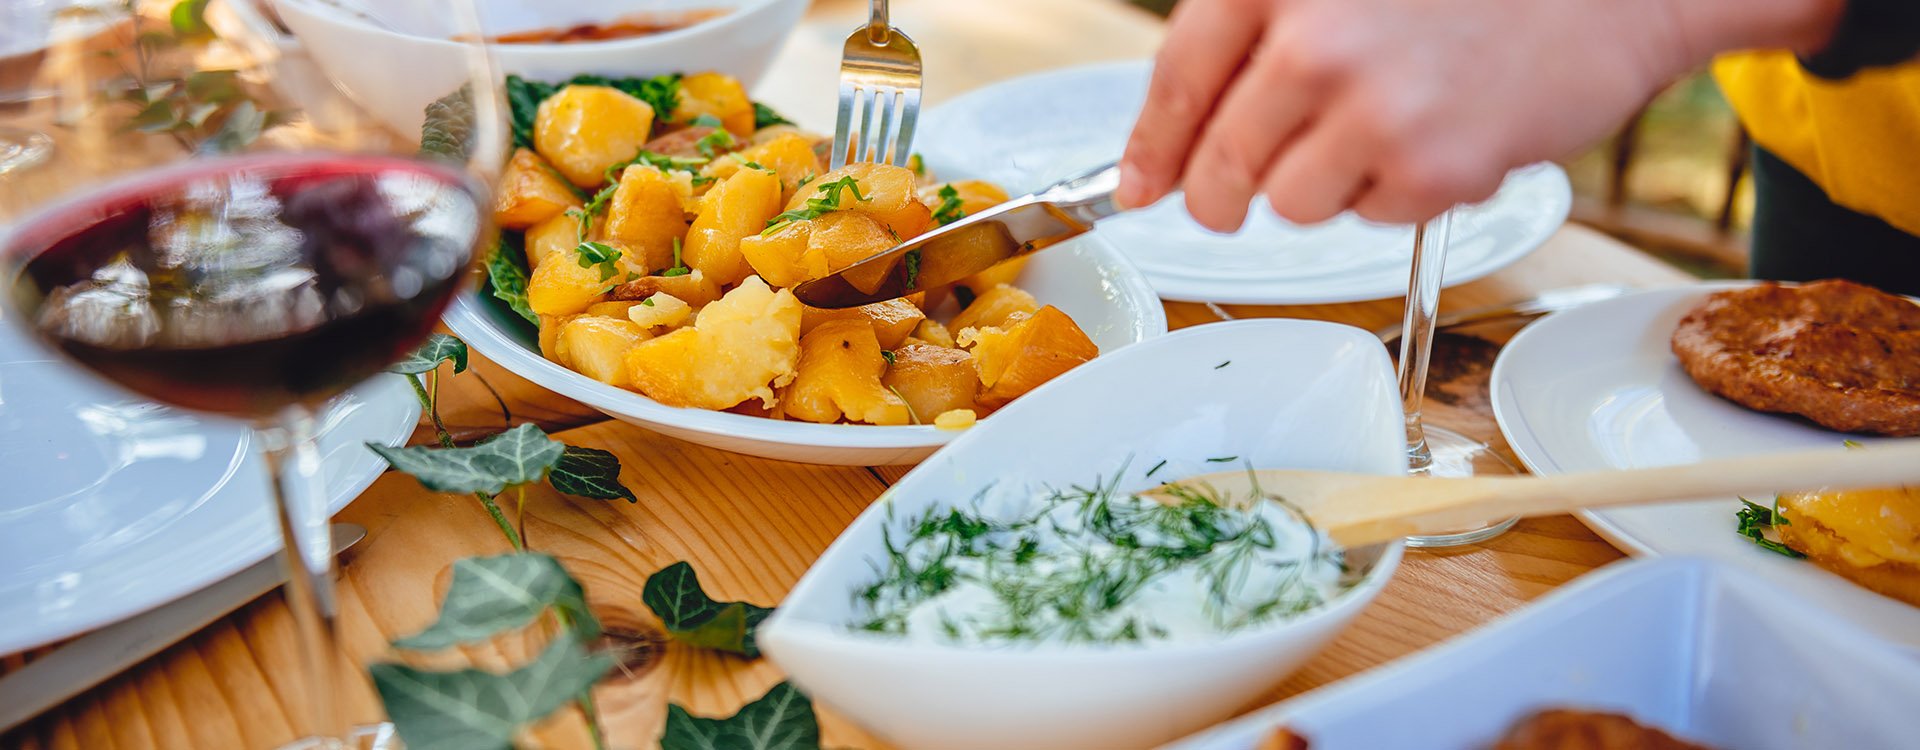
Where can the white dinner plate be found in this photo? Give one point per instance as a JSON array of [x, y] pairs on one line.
[[115, 505], [1028, 132], [1596, 388]]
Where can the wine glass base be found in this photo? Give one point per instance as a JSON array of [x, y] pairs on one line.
[[1456, 455], [20, 148], [366, 737]]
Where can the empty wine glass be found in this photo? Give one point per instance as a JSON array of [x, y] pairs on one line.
[[214, 231], [1433, 451]]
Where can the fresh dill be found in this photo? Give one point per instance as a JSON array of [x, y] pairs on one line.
[[1222, 459], [1223, 364], [1156, 468], [1072, 566], [829, 200], [949, 210]]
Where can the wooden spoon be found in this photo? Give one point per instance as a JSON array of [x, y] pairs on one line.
[[1361, 509]]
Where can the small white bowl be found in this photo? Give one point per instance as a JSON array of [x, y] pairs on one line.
[[1299, 394], [398, 65], [1086, 278]]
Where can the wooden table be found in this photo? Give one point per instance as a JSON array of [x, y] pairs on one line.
[[752, 526]]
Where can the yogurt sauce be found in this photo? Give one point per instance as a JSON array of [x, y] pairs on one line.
[[1089, 565]]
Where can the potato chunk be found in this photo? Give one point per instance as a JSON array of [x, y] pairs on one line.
[[692, 288], [1032, 352], [716, 94], [840, 371], [659, 310], [1002, 273], [887, 190], [582, 130], [929, 331], [597, 347], [560, 234], [550, 326], [892, 320], [971, 196], [648, 214], [993, 308], [809, 249], [530, 192], [735, 209], [560, 286], [932, 379], [741, 347], [790, 156]]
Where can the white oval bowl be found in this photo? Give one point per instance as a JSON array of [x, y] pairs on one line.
[[1300, 394], [1086, 278], [396, 73]]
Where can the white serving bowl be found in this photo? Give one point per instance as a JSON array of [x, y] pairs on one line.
[[1299, 394], [1086, 278], [398, 65]]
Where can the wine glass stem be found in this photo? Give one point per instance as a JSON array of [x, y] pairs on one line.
[[1416, 341], [300, 501]]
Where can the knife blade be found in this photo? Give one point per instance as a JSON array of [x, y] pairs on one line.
[[92, 658], [1024, 225]]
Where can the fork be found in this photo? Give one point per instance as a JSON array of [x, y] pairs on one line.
[[879, 70]]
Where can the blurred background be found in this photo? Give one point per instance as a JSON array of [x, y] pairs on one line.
[[1672, 182]]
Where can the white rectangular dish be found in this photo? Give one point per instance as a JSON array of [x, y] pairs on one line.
[[1707, 652]]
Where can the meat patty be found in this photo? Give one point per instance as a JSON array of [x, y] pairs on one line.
[[1844, 355], [1573, 729]]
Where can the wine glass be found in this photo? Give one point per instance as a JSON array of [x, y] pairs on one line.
[[1434, 451], [220, 227]]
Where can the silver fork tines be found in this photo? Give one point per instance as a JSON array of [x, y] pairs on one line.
[[880, 84]]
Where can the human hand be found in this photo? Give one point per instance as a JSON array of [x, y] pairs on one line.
[[1401, 109]]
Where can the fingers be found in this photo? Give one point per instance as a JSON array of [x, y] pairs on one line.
[[1261, 112], [1422, 183], [1320, 175], [1207, 41]]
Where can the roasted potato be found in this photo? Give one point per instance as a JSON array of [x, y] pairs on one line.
[[891, 320], [736, 209], [839, 376], [741, 347], [530, 192], [933, 380], [661, 310], [583, 130], [597, 347], [885, 193], [560, 234], [648, 214], [561, 286], [716, 94], [1035, 350], [692, 288], [993, 308]]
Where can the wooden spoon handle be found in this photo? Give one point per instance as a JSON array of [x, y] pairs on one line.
[[1471, 502]]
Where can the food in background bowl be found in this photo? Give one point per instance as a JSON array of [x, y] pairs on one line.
[[1549, 729], [1871, 537], [654, 226], [623, 27], [1844, 355]]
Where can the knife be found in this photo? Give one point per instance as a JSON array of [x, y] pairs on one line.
[[1021, 226], [92, 658]]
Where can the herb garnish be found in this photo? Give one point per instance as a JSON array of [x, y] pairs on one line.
[[598, 254], [1222, 459], [1223, 364], [658, 161], [913, 267], [1156, 468], [1756, 520], [764, 116], [679, 267], [888, 356], [829, 200], [949, 210], [719, 139], [595, 206]]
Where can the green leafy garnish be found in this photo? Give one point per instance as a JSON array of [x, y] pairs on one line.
[[1221, 459], [912, 260], [594, 207], [648, 302], [917, 164], [829, 200], [590, 472], [522, 455], [1223, 364], [706, 121], [949, 210], [717, 140], [470, 709], [888, 356], [679, 267], [596, 254], [658, 161], [189, 19], [507, 274], [782, 719], [1156, 468], [691, 616], [491, 595], [439, 348], [1756, 520], [764, 116]]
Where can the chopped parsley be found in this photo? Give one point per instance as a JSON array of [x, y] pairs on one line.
[[658, 161], [830, 200], [596, 254], [706, 121], [1223, 364], [949, 210], [594, 207], [1222, 459], [648, 302], [718, 140], [1756, 520], [679, 267], [917, 164], [888, 356], [913, 267], [764, 116]]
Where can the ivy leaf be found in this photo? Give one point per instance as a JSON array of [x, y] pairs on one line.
[[491, 595], [522, 455], [216, 86], [470, 709], [439, 348], [674, 594], [764, 116], [507, 274], [589, 472], [523, 101], [242, 126], [189, 19], [780, 720]]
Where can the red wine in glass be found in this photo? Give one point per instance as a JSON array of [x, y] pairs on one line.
[[255, 287], [245, 286]]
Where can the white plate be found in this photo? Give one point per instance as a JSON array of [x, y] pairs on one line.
[[1277, 403], [1086, 278], [1028, 132], [1697, 648], [1597, 388], [115, 505]]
